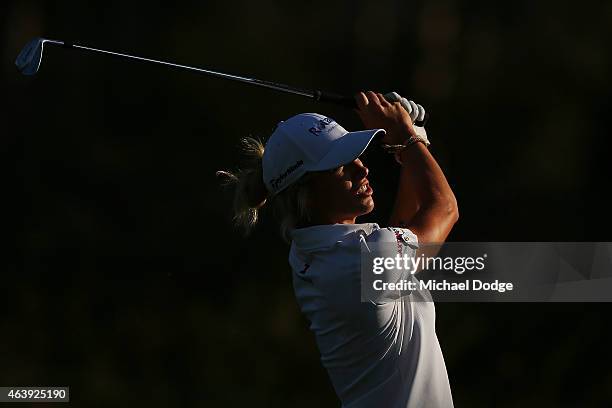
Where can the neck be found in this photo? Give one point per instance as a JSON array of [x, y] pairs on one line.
[[326, 221]]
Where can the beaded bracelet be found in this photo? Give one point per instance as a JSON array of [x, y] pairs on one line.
[[397, 149], [410, 142]]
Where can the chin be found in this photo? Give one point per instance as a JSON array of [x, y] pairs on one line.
[[368, 207]]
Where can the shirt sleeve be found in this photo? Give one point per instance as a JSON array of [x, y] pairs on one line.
[[389, 254], [405, 240]]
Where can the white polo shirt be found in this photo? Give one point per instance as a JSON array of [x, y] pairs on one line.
[[376, 355]]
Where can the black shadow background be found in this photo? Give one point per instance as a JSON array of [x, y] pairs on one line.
[[131, 287]]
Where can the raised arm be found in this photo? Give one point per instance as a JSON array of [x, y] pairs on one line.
[[425, 203]]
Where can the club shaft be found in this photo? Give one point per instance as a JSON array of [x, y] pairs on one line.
[[317, 95], [252, 81]]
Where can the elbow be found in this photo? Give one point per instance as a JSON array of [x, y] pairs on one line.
[[453, 210], [447, 210]]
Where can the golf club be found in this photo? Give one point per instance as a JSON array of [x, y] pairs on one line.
[[29, 59]]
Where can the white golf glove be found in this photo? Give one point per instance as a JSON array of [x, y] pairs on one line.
[[416, 112]]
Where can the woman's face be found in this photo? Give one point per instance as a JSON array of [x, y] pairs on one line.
[[340, 195]]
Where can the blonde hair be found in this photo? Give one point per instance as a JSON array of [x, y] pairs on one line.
[[290, 206]]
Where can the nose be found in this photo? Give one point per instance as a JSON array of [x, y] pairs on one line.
[[361, 170]]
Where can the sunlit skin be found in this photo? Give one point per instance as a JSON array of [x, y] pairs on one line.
[[335, 196], [425, 203]]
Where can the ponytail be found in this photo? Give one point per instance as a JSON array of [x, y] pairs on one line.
[[250, 193]]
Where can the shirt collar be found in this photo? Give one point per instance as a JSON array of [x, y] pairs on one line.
[[325, 236]]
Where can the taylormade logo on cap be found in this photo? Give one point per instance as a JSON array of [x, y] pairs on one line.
[[275, 182], [309, 142]]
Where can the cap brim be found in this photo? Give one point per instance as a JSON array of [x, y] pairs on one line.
[[346, 149]]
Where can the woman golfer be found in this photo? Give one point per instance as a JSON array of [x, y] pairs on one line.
[[377, 354]]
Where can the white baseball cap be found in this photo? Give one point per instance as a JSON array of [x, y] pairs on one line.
[[309, 142]]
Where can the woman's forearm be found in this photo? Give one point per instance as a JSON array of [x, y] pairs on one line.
[[425, 202]]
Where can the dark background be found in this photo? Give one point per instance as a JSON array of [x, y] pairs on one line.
[[131, 287]]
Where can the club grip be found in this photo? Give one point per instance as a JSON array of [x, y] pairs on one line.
[[346, 101]]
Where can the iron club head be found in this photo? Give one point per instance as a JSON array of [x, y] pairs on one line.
[[29, 59]]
